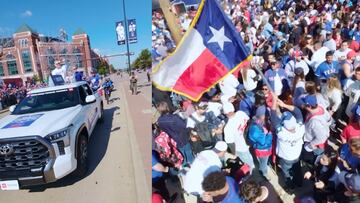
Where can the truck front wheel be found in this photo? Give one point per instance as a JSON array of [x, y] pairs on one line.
[[82, 156]]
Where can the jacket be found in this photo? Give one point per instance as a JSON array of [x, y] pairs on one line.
[[260, 140], [317, 128]]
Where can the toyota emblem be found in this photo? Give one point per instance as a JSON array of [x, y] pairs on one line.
[[6, 149]]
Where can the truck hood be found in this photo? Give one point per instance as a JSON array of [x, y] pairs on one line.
[[40, 123]]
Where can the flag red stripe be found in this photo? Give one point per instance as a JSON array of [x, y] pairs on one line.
[[205, 71]]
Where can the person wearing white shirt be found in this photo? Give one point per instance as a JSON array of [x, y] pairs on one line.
[[290, 133], [333, 94], [234, 134], [206, 162], [330, 42], [318, 56], [341, 53], [353, 92], [59, 69], [297, 62], [250, 78], [199, 114], [229, 84]]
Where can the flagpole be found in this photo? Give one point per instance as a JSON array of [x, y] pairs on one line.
[[126, 37], [263, 77], [170, 17]]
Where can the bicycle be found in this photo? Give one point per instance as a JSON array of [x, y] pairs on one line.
[[107, 92]]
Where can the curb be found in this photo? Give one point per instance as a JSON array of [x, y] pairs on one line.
[[142, 191]]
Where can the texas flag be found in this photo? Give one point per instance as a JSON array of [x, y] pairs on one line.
[[209, 51]]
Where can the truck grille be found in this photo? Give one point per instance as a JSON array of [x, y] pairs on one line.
[[26, 155]]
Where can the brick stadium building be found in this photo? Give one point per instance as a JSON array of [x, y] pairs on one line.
[[27, 54]]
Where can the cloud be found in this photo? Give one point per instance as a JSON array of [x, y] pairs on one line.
[[26, 13]]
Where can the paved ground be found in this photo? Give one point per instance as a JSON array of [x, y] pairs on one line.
[[117, 159]]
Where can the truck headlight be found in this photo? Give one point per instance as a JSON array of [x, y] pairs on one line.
[[60, 135]]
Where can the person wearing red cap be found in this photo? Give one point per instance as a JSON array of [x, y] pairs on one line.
[[347, 69], [297, 62]]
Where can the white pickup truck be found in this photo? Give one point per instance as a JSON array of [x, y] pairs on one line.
[[46, 135]]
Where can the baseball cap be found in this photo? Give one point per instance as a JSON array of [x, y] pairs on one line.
[[310, 100], [351, 54], [308, 36], [220, 146], [350, 180], [298, 71], [260, 111], [297, 53], [228, 107], [328, 33]]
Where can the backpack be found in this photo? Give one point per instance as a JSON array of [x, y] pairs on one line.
[[168, 152], [203, 132]]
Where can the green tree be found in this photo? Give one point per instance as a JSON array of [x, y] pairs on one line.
[[102, 68], [143, 61]]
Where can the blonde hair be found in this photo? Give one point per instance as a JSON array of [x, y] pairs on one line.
[[333, 82]]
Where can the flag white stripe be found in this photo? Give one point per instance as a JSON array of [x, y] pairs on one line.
[[171, 69]]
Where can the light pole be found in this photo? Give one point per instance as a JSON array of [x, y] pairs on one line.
[[127, 40]]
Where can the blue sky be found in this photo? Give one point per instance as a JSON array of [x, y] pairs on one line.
[[96, 18]]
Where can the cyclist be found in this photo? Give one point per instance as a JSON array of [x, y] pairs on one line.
[[108, 86]]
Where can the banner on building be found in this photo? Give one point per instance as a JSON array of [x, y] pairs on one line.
[[120, 32], [132, 31]]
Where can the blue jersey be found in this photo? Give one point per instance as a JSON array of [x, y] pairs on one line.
[[232, 195], [325, 70], [155, 174], [108, 84], [353, 161], [95, 80]]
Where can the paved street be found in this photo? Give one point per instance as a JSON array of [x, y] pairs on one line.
[[119, 156]]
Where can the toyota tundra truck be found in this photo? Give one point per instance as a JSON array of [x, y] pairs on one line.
[[45, 137]]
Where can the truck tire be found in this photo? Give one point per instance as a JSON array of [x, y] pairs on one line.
[[81, 156], [101, 119]]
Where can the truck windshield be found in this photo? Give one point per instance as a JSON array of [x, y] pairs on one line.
[[48, 101]]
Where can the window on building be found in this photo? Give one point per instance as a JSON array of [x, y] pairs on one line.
[[11, 63], [50, 58], [78, 57], [23, 43], [1, 69], [25, 55]]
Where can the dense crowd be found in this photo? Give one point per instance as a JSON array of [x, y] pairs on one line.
[[295, 108], [12, 94]]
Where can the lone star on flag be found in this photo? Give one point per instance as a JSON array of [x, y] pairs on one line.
[[219, 37]]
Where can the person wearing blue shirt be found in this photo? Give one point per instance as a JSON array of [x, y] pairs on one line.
[[108, 83], [157, 173], [350, 156], [327, 68], [95, 80], [277, 78], [220, 189]]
